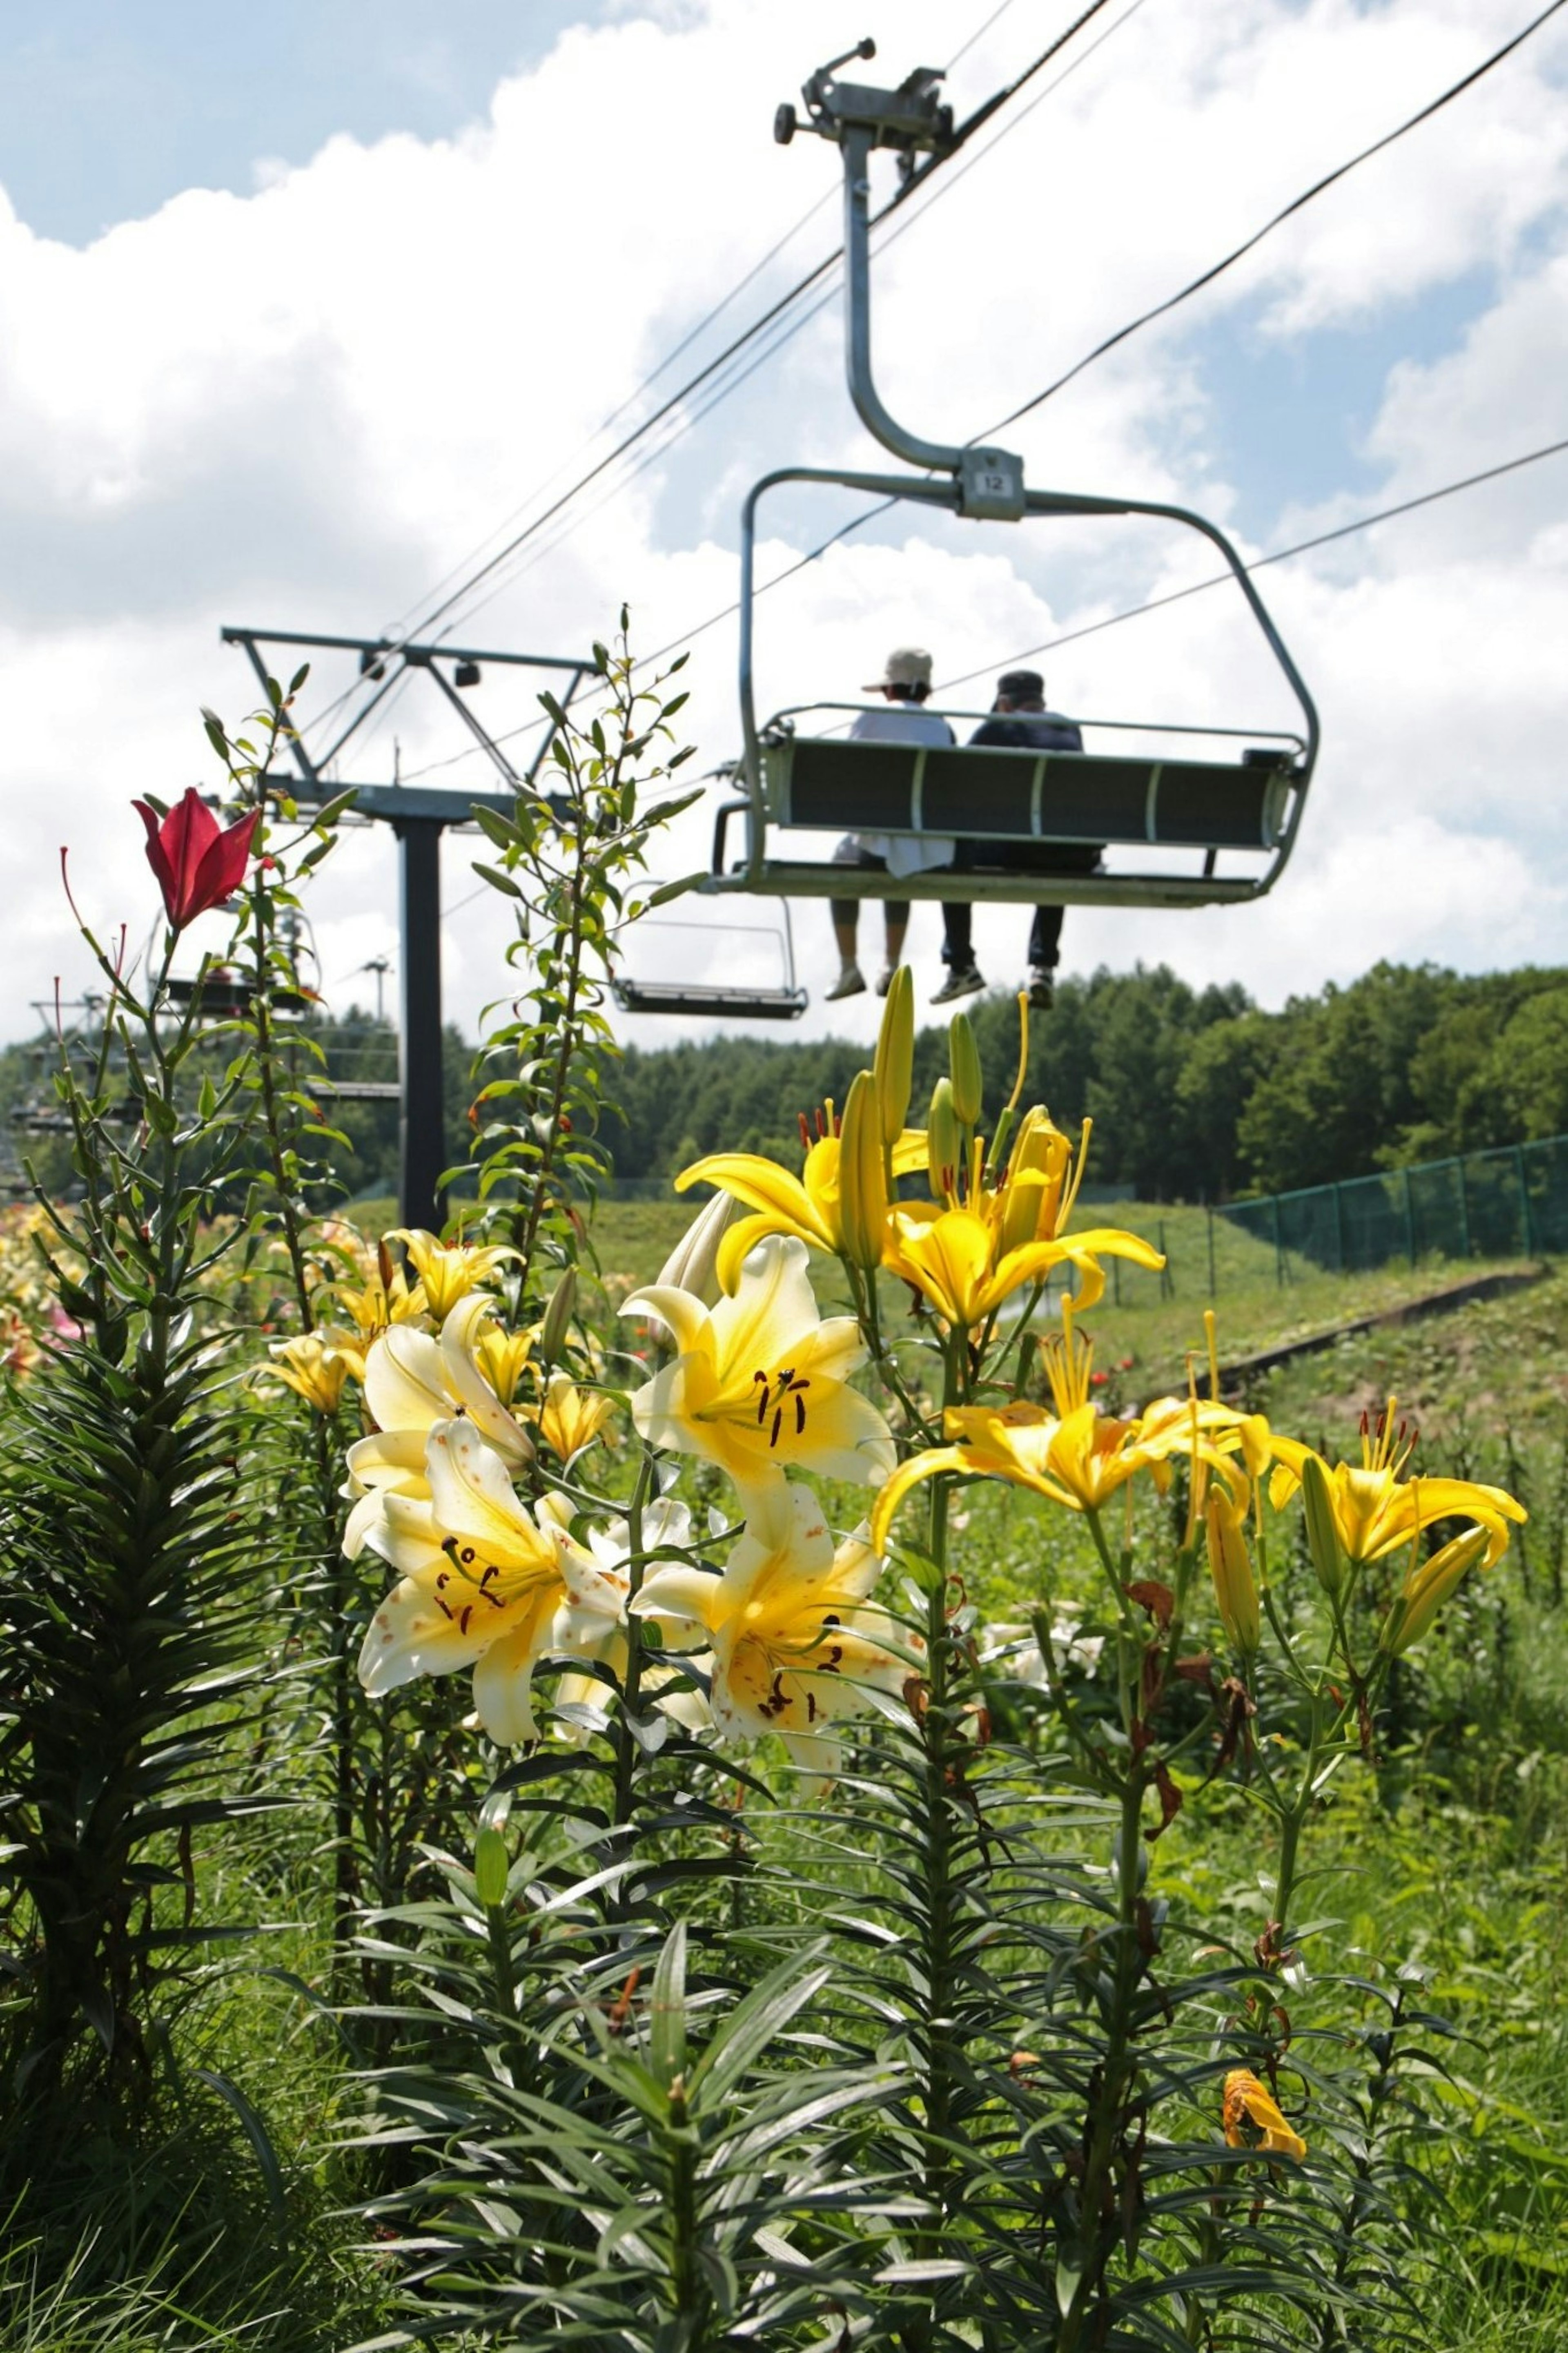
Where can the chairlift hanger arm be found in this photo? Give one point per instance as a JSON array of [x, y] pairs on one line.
[[913, 120]]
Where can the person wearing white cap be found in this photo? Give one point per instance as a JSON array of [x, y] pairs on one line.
[[905, 683]]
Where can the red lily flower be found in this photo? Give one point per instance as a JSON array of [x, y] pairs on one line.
[[197, 862]]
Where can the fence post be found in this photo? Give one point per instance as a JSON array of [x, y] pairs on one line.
[[1338, 1229], [1464, 1209], [1116, 1280], [1524, 1217], [1167, 1288], [1211, 1254], [1279, 1249], [1409, 1218]]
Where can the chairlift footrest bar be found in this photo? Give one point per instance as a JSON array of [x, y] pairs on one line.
[[728, 1004]]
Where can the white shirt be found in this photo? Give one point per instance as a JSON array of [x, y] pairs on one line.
[[905, 722]]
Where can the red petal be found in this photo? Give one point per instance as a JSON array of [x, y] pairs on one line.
[[188, 833], [221, 868]]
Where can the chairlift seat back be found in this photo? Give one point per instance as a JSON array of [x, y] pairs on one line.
[[987, 793]]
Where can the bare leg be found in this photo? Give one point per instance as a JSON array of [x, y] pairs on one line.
[[898, 923], [845, 926]]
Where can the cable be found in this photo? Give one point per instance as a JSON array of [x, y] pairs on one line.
[[1434, 107], [1154, 604], [964, 131], [979, 32], [405, 622], [803, 319], [738, 376], [1277, 555], [871, 514]]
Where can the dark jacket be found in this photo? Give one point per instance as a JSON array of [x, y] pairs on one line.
[[1029, 731]]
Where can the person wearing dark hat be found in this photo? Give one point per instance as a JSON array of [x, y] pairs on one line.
[[905, 684], [1020, 722]]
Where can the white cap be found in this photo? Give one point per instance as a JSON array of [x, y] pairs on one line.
[[907, 666]]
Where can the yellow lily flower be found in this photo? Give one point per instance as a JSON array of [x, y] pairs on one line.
[[1041, 1183], [570, 1418], [481, 1582], [312, 1367], [1077, 1462], [805, 1207], [502, 1357], [1075, 1456], [957, 1259], [383, 1299], [414, 1380], [760, 1383], [1376, 1512], [1252, 2118], [448, 1272], [794, 1644]]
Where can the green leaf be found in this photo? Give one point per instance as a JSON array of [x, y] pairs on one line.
[[256, 2133]]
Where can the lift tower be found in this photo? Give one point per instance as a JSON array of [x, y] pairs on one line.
[[418, 817]]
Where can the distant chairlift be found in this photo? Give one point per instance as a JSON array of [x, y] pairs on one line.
[[636, 993], [1205, 805], [350, 1072]]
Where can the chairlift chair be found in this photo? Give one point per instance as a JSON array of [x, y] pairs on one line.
[[636, 993], [1219, 800]]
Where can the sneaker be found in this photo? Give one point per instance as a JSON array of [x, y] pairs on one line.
[[963, 982], [851, 982], [1042, 987], [885, 978]]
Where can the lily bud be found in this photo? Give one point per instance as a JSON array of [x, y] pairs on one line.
[[1036, 1175], [491, 1866], [1235, 1590], [1427, 1587], [1322, 1529], [862, 1176], [893, 1068], [963, 1061], [557, 1320], [943, 1143], [693, 1264]]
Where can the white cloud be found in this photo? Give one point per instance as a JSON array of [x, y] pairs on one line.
[[302, 406]]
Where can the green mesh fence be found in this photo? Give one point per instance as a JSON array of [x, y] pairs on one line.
[[1510, 1203]]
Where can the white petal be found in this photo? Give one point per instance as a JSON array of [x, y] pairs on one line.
[[685, 1596], [472, 1492], [411, 1635], [503, 1689], [684, 1317], [772, 1307], [404, 1384], [468, 1384]]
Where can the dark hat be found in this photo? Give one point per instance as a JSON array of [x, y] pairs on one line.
[[1022, 686]]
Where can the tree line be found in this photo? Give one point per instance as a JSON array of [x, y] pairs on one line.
[[1196, 1095]]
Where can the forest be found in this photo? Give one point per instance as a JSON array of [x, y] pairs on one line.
[[1196, 1095]]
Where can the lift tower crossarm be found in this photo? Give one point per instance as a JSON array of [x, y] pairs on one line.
[[912, 120]]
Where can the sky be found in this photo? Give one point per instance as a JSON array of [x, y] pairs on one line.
[[303, 309]]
